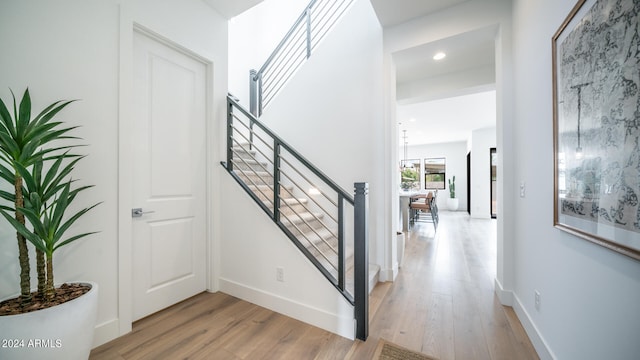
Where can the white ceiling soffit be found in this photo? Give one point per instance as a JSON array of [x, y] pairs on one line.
[[231, 8], [446, 120], [475, 49], [393, 12]]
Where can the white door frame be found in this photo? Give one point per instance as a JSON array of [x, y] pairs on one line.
[[125, 165]]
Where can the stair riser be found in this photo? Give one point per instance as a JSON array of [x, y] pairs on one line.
[[250, 178], [328, 259], [290, 212], [331, 261], [247, 154], [266, 194], [304, 227], [248, 166]]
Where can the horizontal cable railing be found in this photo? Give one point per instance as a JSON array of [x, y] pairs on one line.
[[325, 222], [293, 50]]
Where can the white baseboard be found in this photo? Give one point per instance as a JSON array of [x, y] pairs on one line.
[[317, 317], [509, 298], [374, 276], [388, 274], [106, 332], [544, 352], [505, 296]]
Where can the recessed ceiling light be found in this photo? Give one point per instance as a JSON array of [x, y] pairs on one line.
[[412, 120], [439, 56]]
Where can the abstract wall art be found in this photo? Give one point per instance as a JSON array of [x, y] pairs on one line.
[[596, 108]]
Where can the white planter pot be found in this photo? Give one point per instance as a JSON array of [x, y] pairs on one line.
[[63, 332], [452, 204], [400, 244]]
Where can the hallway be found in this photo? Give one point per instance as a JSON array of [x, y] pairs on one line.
[[441, 304]]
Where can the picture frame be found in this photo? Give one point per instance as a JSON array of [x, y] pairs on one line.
[[596, 125]]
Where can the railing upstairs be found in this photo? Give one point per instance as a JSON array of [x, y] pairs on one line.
[[295, 48], [327, 224]]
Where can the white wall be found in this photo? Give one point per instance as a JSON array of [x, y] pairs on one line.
[[447, 85], [57, 61], [253, 247], [482, 140], [590, 295], [455, 154], [253, 35], [331, 113], [71, 49]]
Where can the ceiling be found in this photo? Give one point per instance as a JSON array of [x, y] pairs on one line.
[[393, 12], [462, 106], [229, 9], [460, 82], [466, 51], [446, 120]]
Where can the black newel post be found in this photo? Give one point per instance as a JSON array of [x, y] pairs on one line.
[[229, 135], [361, 260]]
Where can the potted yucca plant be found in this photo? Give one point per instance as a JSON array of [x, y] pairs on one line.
[[51, 322], [452, 201]]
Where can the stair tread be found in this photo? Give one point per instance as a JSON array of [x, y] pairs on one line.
[[251, 186], [290, 201], [322, 243], [319, 235], [255, 172], [243, 147], [304, 216], [250, 161], [249, 165]]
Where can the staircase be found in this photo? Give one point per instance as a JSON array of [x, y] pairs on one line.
[[292, 52], [316, 230], [326, 223]]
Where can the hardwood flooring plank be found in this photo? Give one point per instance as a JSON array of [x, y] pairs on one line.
[[233, 341], [442, 304], [282, 339], [412, 322], [207, 337], [469, 337], [187, 336], [524, 345], [336, 347], [438, 337], [377, 297], [246, 341]]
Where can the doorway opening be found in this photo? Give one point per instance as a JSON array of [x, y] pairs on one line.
[[493, 171], [469, 182]]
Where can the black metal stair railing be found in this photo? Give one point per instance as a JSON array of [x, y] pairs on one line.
[[327, 224], [293, 50]]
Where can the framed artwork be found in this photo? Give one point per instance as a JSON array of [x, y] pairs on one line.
[[434, 173], [596, 124]]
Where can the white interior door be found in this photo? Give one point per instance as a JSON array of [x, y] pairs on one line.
[[169, 162]]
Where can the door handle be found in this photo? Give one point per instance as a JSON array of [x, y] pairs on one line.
[[137, 212]]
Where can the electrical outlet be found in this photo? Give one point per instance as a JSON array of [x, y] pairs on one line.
[[537, 299], [280, 274], [522, 189]]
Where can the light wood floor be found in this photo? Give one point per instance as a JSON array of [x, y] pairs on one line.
[[441, 304]]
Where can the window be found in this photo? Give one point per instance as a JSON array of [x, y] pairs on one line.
[[410, 174], [434, 173]]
